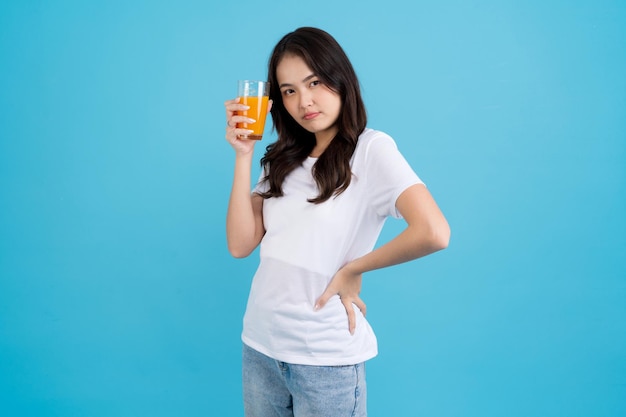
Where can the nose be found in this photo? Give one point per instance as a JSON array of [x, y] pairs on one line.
[[306, 99]]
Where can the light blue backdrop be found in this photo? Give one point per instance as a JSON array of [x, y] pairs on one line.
[[117, 294]]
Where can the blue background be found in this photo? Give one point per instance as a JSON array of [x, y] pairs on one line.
[[118, 296]]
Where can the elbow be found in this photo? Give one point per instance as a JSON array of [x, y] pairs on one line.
[[238, 251], [238, 254], [443, 238], [439, 237], [241, 245]]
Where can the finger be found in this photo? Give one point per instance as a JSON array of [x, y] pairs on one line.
[[351, 315], [233, 134], [233, 108], [243, 133], [234, 105], [231, 123], [361, 305], [240, 119], [231, 104], [232, 127]]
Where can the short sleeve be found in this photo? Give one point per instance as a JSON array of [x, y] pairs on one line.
[[388, 174]]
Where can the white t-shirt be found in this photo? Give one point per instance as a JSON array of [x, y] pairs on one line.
[[305, 244]]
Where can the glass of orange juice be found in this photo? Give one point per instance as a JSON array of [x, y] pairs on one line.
[[256, 95]]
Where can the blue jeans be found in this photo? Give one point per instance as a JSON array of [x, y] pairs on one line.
[[277, 389]]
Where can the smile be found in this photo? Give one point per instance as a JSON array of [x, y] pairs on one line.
[[310, 116]]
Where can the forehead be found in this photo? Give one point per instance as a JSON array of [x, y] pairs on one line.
[[292, 69]]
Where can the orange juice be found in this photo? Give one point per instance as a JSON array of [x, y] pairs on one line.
[[257, 111]]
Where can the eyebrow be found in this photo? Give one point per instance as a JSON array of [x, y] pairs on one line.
[[291, 85]]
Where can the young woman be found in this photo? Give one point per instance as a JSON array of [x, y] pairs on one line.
[[327, 186]]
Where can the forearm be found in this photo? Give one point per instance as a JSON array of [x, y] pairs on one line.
[[409, 245], [427, 231], [241, 227]]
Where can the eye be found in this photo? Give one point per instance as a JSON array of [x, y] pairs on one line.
[[315, 83], [288, 92]]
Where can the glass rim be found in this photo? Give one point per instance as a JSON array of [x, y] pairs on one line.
[[253, 81]]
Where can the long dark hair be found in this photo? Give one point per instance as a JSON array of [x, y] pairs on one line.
[[328, 61]]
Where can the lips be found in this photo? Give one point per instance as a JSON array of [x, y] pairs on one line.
[[311, 116]]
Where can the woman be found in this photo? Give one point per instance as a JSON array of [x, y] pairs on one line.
[[328, 183]]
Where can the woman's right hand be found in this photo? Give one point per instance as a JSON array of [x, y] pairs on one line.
[[233, 134]]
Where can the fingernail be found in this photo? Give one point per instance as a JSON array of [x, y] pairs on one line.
[[316, 307], [251, 120]]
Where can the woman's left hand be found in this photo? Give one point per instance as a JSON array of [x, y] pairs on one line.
[[347, 284]]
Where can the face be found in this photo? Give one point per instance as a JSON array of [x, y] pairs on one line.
[[312, 104]]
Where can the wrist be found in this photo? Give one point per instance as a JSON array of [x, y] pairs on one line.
[[243, 157], [353, 267]]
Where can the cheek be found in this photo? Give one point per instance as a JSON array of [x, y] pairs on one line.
[[291, 108]]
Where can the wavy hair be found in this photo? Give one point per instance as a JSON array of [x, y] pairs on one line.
[[328, 61]]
